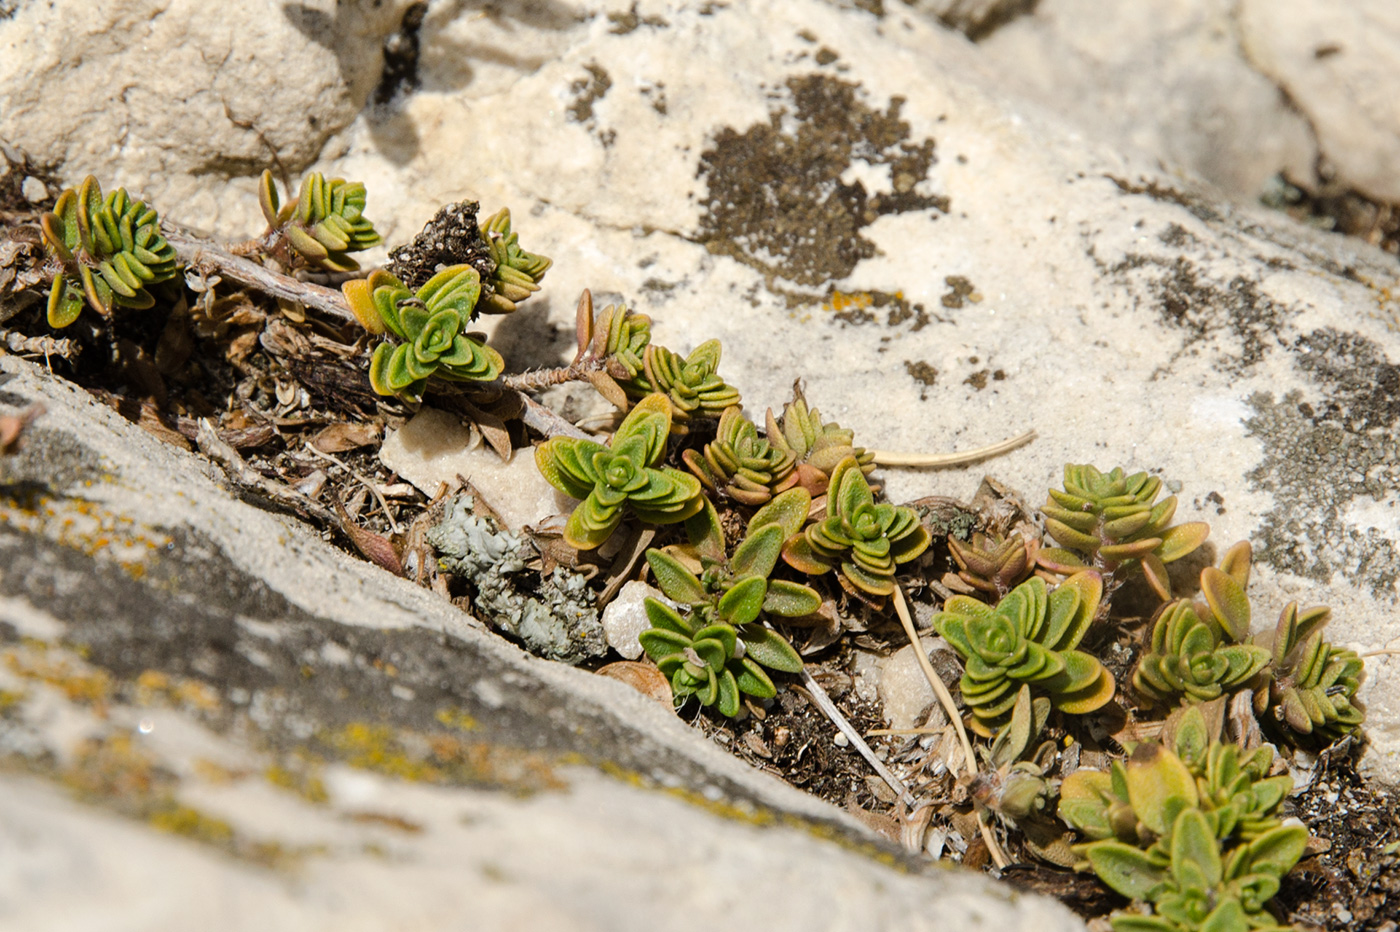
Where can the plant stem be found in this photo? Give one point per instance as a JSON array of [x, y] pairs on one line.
[[945, 698], [945, 460]]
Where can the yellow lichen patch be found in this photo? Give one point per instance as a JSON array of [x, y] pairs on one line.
[[442, 758], [79, 682], [386, 819], [156, 688], [87, 527], [457, 718], [841, 301], [116, 767], [191, 823], [303, 779]]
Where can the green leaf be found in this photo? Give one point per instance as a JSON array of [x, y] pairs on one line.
[[767, 647], [679, 583], [1276, 852], [752, 679], [728, 701], [1126, 869], [660, 643], [666, 618], [744, 600], [790, 599], [788, 510], [758, 553], [1155, 777], [1194, 849], [848, 489], [649, 419], [1181, 540], [1228, 602]]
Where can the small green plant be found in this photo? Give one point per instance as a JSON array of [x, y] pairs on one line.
[[692, 383], [1108, 521], [994, 565], [740, 464], [518, 273], [863, 541], [1194, 833], [816, 446], [1029, 637], [1016, 785], [1306, 696], [431, 323], [109, 251], [1200, 650], [624, 475], [323, 225], [723, 604]]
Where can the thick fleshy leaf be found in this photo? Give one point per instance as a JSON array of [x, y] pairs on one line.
[[758, 553], [591, 523], [848, 490], [790, 599], [705, 533], [1181, 540], [567, 463], [1090, 698], [65, 303], [1277, 851], [767, 647], [667, 618], [788, 510], [799, 553], [1072, 608], [1194, 850], [744, 600], [728, 700], [753, 680], [1154, 777], [1126, 869], [660, 643], [649, 419], [1155, 572], [679, 583], [1228, 602], [853, 575]]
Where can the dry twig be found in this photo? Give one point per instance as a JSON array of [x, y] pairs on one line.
[[828, 708]]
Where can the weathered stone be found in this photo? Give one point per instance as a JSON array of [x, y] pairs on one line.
[[1339, 65], [905, 693], [625, 617], [195, 689]]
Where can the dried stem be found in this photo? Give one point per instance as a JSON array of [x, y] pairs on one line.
[[210, 257], [540, 379], [945, 698], [945, 460], [374, 489], [828, 707]]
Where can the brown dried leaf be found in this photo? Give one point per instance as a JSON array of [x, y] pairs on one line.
[[492, 428], [609, 389], [12, 425], [373, 547], [643, 677], [337, 438]]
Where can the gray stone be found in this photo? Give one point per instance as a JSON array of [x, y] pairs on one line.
[[264, 733], [1339, 64], [905, 693], [625, 617]]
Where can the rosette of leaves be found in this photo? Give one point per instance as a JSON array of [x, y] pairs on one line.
[[1029, 637], [863, 541], [723, 604], [625, 475], [109, 251], [518, 273], [692, 383], [610, 346], [816, 446], [431, 323], [324, 224], [1195, 833], [1108, 521], [1306, 696], [740, 464], [994, 565]]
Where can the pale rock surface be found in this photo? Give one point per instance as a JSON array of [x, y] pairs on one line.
[[1340, 64], [434, 447], [1167, 77], [905, 692], [717, 169], [625, 617], [266, 734]]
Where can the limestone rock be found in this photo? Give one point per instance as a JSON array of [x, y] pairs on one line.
[[260, 732], [1340, 65], [905, 693], [625, 617]]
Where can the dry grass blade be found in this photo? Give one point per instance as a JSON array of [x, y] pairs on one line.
[[945, 698], [828, 708], [945, 460], [374, 489]]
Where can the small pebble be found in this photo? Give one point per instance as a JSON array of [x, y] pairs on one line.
[[34, 190], [841, 740]]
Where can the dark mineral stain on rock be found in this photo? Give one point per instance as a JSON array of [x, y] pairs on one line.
[[922, 373], [588, 91], [776, 201], [1328, 453]]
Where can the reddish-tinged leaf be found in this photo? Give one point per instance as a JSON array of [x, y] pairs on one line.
[[373, 547]]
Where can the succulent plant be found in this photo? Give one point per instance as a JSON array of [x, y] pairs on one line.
[[1200, 650], [109, 252], [518, 273], [1306, 696], [815, 445], [866, 542], [691, 382], [621, 337], [324, 224], [1016, 785], [432, 325], [1029, 637], [1194, 832], [740, 464], [994, 565], [724, 603], [1108, 521], [625, 474]]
